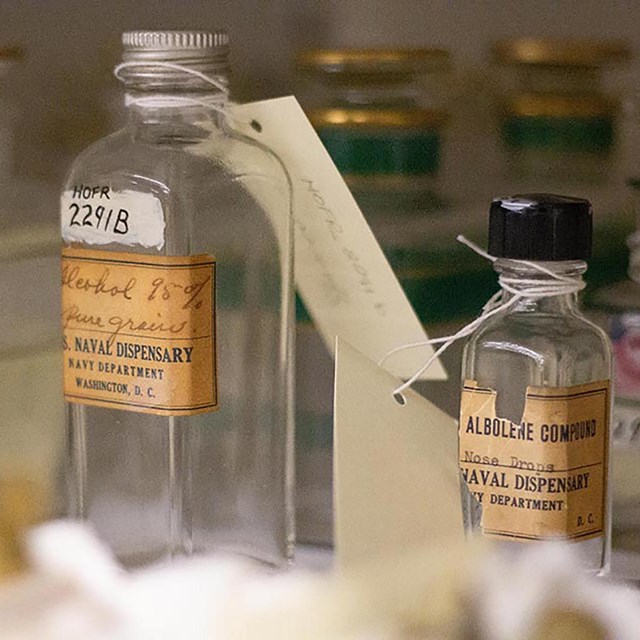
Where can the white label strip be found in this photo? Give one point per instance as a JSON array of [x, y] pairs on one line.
[[94, 214], [397, 487], [340, 270]]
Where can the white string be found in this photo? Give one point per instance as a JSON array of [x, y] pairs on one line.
[[215, 102], [221, 85], [531, 288]]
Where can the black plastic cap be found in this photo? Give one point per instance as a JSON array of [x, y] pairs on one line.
[[541, 227]]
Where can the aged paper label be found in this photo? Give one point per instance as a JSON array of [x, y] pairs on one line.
[[139, 331], [341, 272], [397, 484], [546, 476]]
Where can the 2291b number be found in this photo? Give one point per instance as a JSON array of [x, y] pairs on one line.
[[99, 217]]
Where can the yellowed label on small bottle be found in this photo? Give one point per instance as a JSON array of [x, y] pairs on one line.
[[139, 331], [545, 477]]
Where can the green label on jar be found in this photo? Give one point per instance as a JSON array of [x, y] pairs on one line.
[[388, 152], [593, 135]]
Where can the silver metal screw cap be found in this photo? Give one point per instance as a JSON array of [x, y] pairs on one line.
[[203, 51]]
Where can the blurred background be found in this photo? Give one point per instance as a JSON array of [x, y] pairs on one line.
[[66, 87], [447, 108]]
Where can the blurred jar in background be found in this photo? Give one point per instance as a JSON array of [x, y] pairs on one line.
[[380, 113], [558, 119], [24, 200], [616, 308], [10, 58], [31, 410], [382, 116]]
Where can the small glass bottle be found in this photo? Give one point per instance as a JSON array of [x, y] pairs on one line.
[[535, 407], [616, 308], [621, 304], [177, 314]]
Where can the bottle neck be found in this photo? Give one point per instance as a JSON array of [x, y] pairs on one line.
[[172, 106], [554, 290], [158, 92]]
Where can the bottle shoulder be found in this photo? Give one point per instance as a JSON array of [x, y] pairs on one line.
[[96, 151], [541, 332], [518, 350], [210, 192], [167, 157]]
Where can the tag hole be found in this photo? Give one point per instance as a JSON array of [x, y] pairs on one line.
[[399, 398], [255, 125]]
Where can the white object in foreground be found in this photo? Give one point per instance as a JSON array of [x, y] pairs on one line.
[[76, 592]]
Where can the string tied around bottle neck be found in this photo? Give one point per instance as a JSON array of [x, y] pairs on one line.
[[217, 101], [555, 284]]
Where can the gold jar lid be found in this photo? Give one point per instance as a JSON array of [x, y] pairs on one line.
[[369, 61], [561, 106], [382, 118], [561, 53]]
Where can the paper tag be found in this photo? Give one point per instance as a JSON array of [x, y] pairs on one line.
[[546, 476], [98, 215], [396, 476], [340, 270], [139, 331]]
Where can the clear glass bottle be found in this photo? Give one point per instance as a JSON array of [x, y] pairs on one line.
[[166, 483], [621, 304], [544, 345], [616, 308]]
